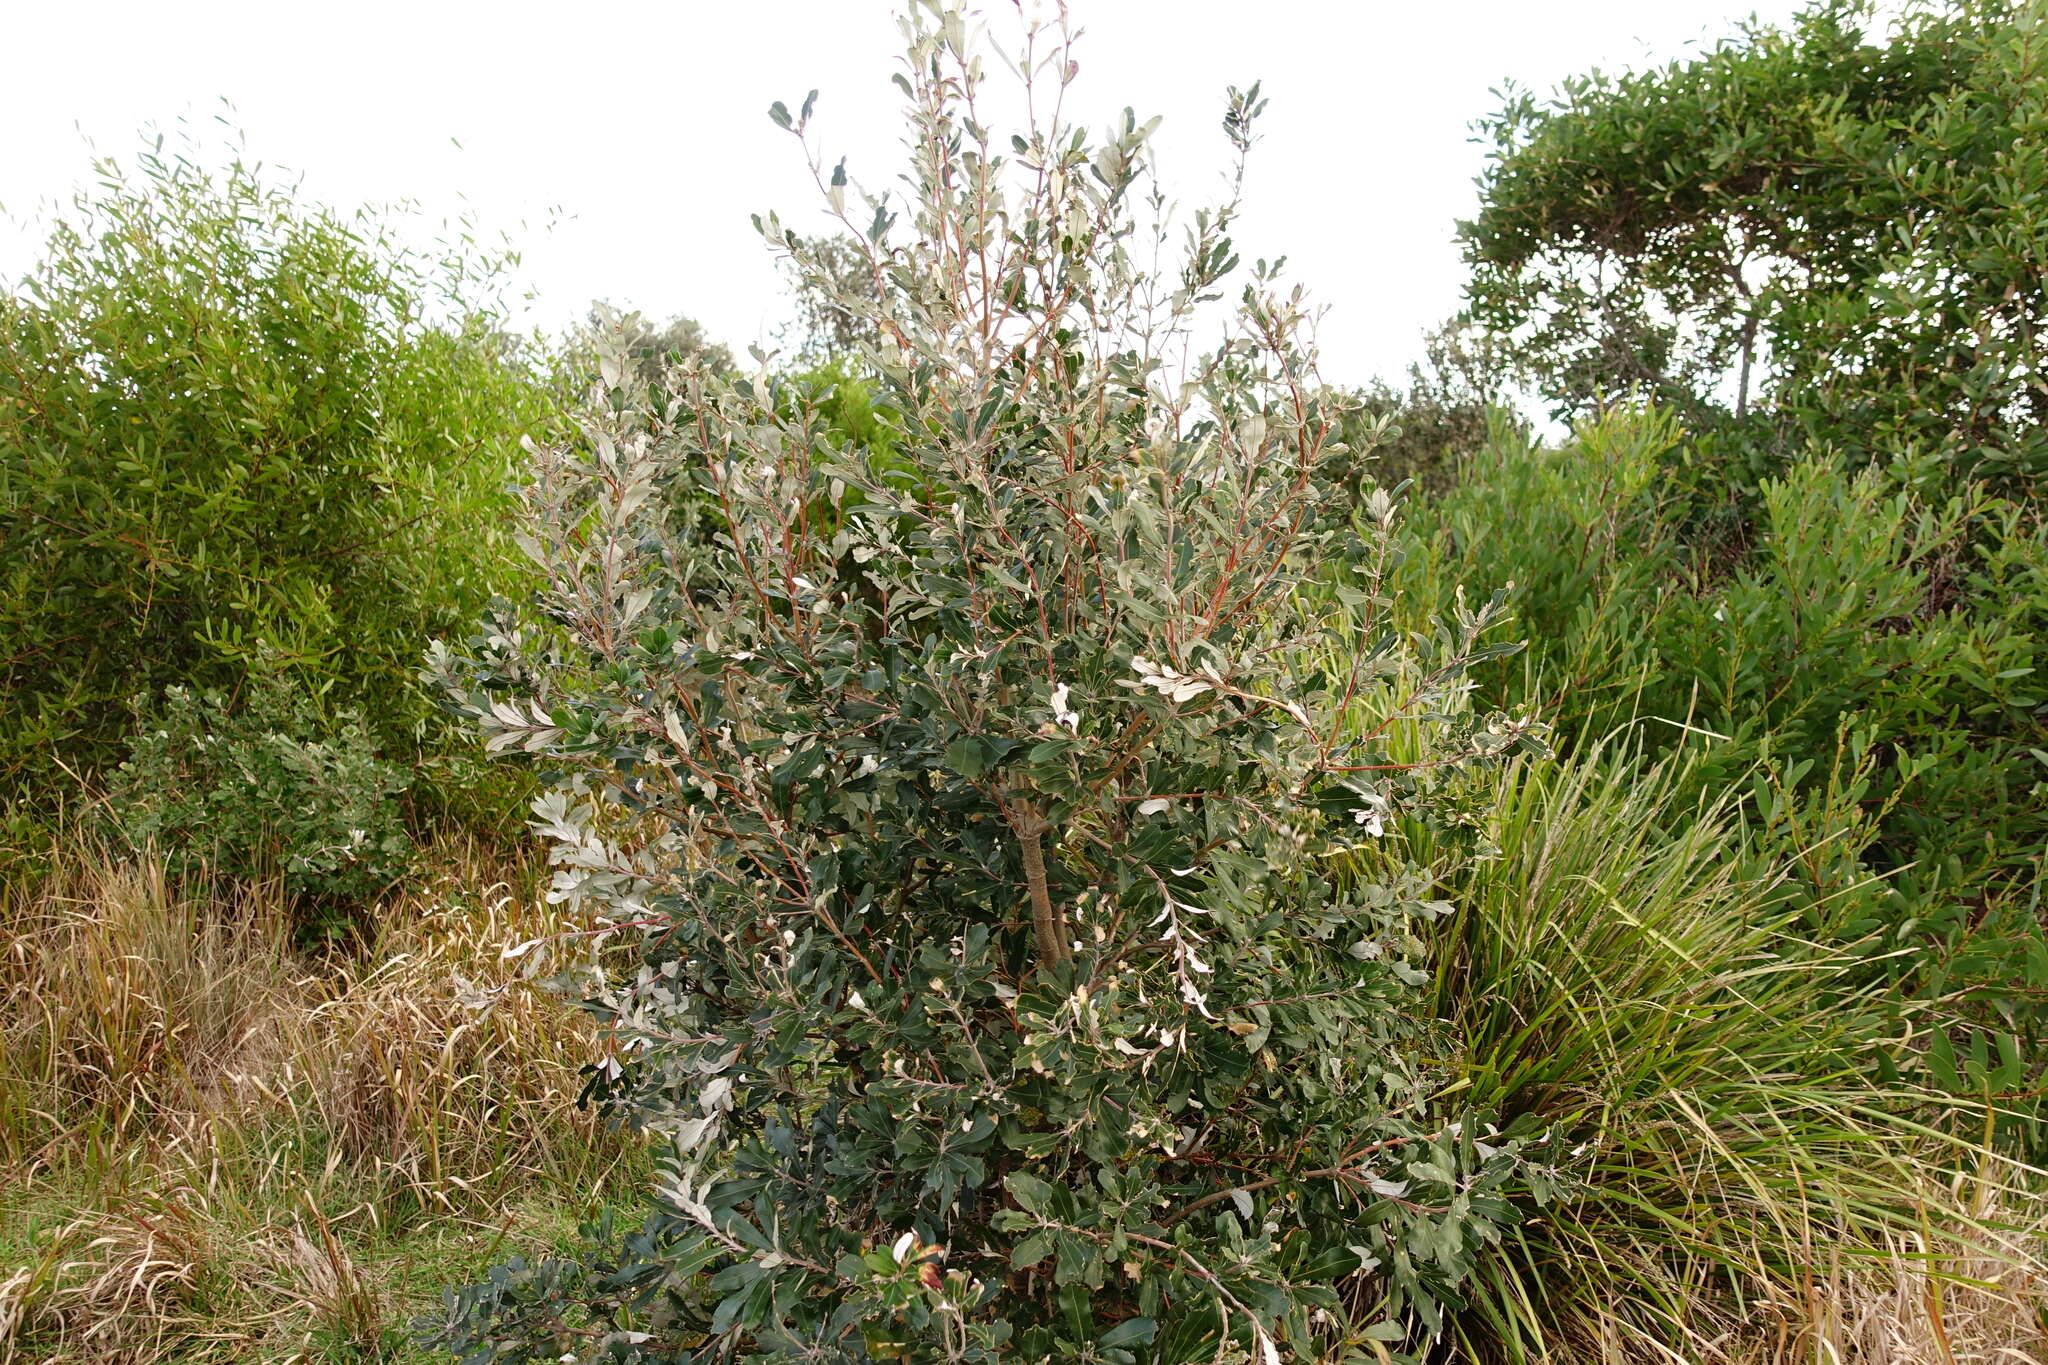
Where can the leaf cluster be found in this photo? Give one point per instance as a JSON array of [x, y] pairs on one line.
[[271, 788]]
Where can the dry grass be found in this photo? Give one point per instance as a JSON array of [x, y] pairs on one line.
[[1932, 1298], [216, 1148], [1986, 1306]]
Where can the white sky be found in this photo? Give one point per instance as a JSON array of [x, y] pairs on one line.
[[639, 126]]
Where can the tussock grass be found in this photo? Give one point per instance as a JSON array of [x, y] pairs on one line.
[[1747, 1190], [214, 1147]]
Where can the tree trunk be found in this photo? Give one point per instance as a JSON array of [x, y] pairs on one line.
[[1049, 922], [1748, 351]]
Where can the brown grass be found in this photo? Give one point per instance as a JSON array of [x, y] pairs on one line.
[[215, 1147], [1935, 1298]]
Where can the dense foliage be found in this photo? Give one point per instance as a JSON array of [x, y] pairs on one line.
[[240, 437], [270, 788], [1814, 238], [1821, 250], [1865, 680], [1021, 977]]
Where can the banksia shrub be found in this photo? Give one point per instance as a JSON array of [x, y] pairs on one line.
[[1027, 967]]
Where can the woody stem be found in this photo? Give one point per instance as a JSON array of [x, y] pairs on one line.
[[1046, 919]]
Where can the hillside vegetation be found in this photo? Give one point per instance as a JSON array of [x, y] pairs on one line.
[[1054, 830]]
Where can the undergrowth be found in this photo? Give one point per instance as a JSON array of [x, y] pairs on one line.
[[215, 1148]]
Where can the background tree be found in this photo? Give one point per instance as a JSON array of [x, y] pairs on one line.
[[831, 322], [1418, 435], [649, 347], [1808, 236]]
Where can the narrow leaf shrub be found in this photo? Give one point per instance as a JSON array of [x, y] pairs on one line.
[[1004, 990], [239, 435]]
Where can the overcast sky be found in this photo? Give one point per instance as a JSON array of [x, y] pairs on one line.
[[624, 146]]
